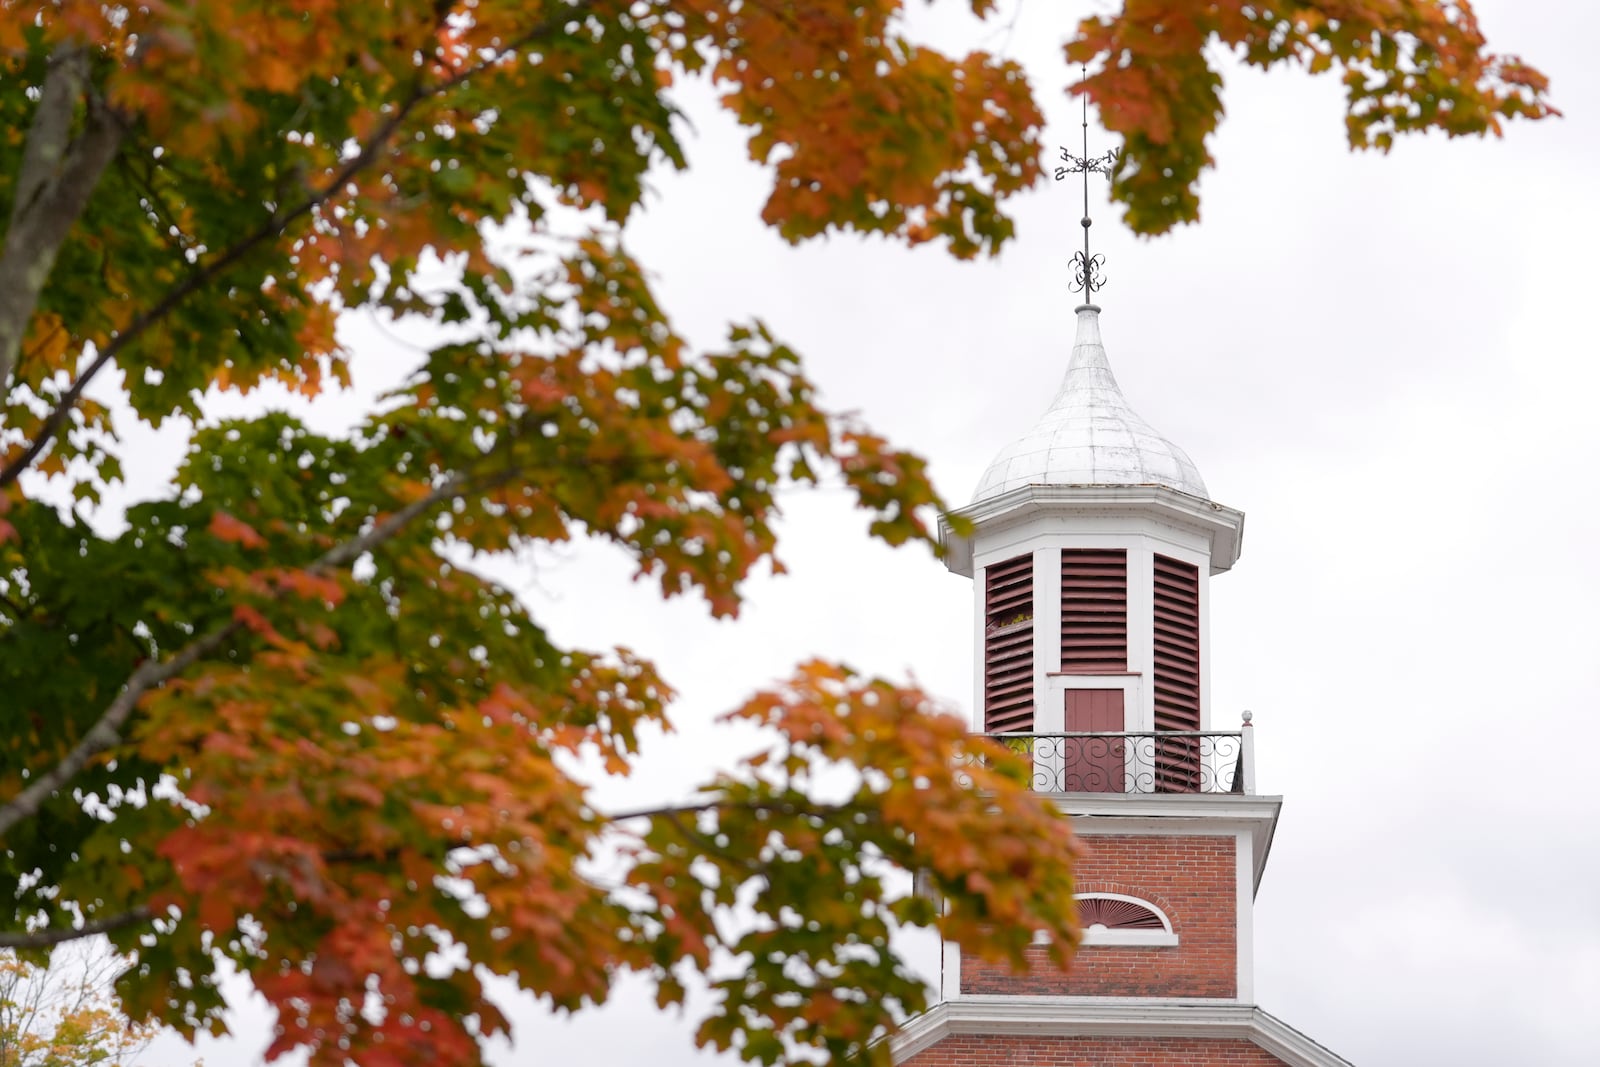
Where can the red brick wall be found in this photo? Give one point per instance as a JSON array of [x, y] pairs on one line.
[[1189, 878], [976, 1050]]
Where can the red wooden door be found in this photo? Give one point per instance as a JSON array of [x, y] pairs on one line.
[[1094, 764]]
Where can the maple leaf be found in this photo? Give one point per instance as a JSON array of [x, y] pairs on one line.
[[225, 527]]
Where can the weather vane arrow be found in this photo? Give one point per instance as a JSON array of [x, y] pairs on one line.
[[1086, 268]]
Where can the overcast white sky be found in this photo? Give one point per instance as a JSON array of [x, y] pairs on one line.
[[1389, 364]]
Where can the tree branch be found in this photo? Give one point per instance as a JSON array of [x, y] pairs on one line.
[[389, 855], [746, 863], [56, 176], [50, 135], [106, 733], [273, 227], [60, 935], [780, 807]]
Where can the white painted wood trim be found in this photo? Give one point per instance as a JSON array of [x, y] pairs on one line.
[[1022, 512], [950, 973], [1055, 695], [979, 614], [1158, 806], [1049, 715], [1244, 923], [1102, 937], [1111, 1017], [1142, 636]]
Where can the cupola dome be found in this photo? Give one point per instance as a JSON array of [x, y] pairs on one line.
[[1090, 435]]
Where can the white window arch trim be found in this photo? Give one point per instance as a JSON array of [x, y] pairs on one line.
[[1103, 935]]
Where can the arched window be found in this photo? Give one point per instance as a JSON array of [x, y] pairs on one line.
[[1116, 919]]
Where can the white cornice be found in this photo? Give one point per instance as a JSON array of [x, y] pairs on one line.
[[1249, 806], [1221, 525], [1178, 813], [1104, 1017]]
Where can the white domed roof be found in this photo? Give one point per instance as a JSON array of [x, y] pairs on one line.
[[1089, 435]]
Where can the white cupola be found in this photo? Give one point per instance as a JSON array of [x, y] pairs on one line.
[[1090, 435], [1092, 540]]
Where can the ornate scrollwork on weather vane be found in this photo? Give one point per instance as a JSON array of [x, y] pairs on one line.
[[1086, 267]]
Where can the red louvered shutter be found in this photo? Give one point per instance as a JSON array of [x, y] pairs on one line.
[[1177, 674], [1008, 646], [1094, 611]]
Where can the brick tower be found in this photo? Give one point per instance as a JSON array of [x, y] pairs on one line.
[[1093, 545]]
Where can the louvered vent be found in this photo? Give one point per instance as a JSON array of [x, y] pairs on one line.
[[1008, 646], [1116, 914], [1177, 634], [1094, 611]]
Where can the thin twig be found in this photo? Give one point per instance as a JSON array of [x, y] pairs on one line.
[[751, 866], [61, 934]]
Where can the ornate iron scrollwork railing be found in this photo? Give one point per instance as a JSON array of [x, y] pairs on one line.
[[1163, 761]]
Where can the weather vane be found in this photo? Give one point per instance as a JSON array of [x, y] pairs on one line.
[[1086, 275]]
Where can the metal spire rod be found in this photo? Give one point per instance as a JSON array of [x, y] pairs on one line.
[[1087, 222], [1086, 277]]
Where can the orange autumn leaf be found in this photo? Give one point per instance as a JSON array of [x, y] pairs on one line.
[[225, 527]]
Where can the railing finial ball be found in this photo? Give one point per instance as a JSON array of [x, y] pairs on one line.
[[1246, 716]]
